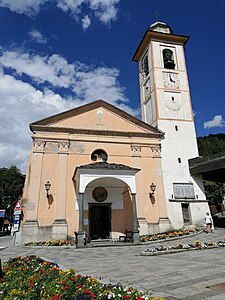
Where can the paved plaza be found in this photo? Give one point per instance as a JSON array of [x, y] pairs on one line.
[[188, 275]]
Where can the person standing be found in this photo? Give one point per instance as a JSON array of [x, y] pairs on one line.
[[208, 222]]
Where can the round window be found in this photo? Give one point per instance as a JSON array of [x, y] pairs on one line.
[[99, 194]]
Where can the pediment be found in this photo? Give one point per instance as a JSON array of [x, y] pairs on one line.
[[96, 116]]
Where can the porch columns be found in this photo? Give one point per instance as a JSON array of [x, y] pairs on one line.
[[80, 238], [135, 222]]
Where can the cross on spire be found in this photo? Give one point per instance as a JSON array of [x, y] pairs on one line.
[[156, 15]]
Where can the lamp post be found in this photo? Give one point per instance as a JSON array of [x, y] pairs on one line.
[[152, 188], [47, 188]]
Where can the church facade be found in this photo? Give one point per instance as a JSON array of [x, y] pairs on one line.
[[97, 171]]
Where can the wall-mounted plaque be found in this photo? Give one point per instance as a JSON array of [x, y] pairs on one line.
[[99, 194]]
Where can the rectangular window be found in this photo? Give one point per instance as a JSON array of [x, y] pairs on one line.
[[183, 191], [185, 212]]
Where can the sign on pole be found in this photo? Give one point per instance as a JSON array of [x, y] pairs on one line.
[[18, 206], [17, 215]]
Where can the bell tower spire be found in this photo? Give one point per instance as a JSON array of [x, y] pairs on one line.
[[166, 104]]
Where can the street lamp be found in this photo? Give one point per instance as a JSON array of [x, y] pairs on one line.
[[152, 188], [47, 188]]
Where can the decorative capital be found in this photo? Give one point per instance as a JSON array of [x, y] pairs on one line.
[[156, 149], [63, 146], [38, 145], [136, 149]]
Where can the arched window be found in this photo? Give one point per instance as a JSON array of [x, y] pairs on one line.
[[144, 66], [168, 59], [99, 155]]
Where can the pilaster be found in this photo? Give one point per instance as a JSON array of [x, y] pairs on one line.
[[35, 182], [59, 229]]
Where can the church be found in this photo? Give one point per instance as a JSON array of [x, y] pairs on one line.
[[99, 172]]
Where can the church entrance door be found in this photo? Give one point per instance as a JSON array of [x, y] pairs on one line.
[[100, 221]]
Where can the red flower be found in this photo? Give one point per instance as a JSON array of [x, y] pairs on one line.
[[139, 298], [63, 282], [56, 297], [73, 279], [79, 286], [126, 297], [86, 291], [65, 287], [92, 295], [31, 284], [78, 276]]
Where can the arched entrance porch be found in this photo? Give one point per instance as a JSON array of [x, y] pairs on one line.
[[106, 196]]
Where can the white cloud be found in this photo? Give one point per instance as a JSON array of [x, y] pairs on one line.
[[217, 121], [53, 69], [86, 82], [37, 36], [104, 10], [27, 7], [99, 83], [23, 103], [71, 5], [86, 22]]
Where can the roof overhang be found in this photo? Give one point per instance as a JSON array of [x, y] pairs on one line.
[[158, 36], [85, 174], [209, 169]]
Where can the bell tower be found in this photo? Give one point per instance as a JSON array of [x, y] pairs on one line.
[[166, 104]]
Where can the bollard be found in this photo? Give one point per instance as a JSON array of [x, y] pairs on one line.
[[1, 272]]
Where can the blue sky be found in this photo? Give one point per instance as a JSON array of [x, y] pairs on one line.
[[59, 54]]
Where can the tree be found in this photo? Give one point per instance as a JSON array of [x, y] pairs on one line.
[[11, 188], [212, 145], [214, 191]]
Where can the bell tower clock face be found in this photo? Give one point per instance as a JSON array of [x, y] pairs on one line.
[[171, 80]]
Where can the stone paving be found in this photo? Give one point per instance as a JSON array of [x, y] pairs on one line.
[[186, 275]]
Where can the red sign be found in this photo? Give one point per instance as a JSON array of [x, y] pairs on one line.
[[18, 206]]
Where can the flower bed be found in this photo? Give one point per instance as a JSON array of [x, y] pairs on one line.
[[198, 245], [52, 243], [33, 278], [166, 235]]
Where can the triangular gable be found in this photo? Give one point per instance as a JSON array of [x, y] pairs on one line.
[[95, 116]]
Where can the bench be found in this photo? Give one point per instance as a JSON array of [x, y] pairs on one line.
[[128, 237]]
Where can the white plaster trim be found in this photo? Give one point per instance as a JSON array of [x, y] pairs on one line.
[[85, 179]]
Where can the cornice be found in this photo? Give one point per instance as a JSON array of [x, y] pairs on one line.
[[38, 128], [158, 36]]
